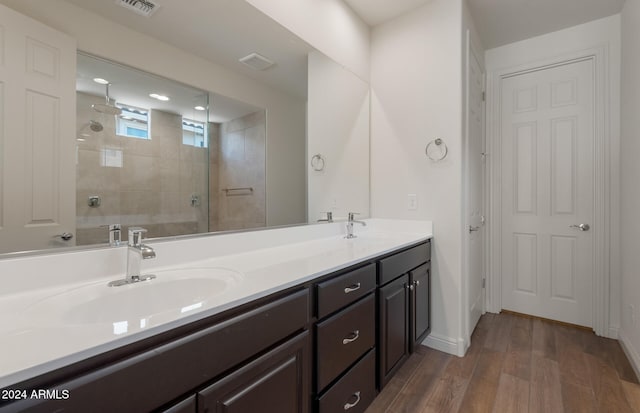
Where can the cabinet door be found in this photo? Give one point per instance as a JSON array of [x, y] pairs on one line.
[[277, 382], [394, 327], [420, 286], [188, 405]]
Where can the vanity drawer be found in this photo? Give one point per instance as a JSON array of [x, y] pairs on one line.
[[392, 267], [345, 289], [355, 391], [343, 338]]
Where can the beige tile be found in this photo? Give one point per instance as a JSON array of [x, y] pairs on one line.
[[137, 207], [140, 173], [170, 175]]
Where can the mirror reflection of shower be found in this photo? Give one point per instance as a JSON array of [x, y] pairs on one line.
[[93, 126], [163, 155], [106, 107]]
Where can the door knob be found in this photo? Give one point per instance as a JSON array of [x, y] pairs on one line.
[[66, 236], [581, 227]]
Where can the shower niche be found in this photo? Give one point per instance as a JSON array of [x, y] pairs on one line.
[[163, 155]]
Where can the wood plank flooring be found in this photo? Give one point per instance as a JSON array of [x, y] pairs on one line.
[[517, 365]]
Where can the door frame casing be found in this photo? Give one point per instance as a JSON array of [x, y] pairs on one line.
[[602, 179]]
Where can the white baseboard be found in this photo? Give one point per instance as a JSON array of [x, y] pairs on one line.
[[445, 344], [630, 351], [614, 332]]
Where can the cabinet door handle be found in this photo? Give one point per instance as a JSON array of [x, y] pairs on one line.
[[411, 287], [347, 406], [352, 337], [352, 288], [417, 282]]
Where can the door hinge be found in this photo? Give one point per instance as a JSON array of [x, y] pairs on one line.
[[484, 282], [484, 96]]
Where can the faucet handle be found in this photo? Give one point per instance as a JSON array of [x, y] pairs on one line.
[[114, 234], [135, 236], [351, 214], [329, 217]]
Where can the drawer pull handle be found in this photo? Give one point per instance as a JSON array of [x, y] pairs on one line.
[[347, 406], [353, 337], [352, 288]]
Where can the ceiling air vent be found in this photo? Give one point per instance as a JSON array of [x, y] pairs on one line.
[[257, 61], [143, 7]]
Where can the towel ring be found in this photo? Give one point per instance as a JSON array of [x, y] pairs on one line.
[[436, 150], [317, 162]]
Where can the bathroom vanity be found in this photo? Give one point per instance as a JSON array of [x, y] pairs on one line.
[[332, 336]]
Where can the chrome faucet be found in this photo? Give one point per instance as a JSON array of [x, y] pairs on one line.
[[115, 234], [329, 217], [350, 223], [136, 252]]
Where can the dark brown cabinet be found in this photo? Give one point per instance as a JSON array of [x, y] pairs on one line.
[[404, 307], [165, 371], [274, 383], [355, 391], [325, 346], [187, 405], [394, 327], [420, 299], [345, 341]]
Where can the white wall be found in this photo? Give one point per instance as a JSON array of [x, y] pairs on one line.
[[338, 129], [602, 33], [286, 184], [416, 73], [630, 168], [328, 25]]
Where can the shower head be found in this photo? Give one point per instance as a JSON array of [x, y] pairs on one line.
[[107, 107], [95, 126]]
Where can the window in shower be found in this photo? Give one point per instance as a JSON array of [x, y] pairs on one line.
[[133, 122], [193, 133]]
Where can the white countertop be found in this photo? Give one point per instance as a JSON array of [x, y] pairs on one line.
[[39, 333]]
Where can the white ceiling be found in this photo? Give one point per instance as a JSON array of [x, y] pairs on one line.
[[374, 12], [500, 22]]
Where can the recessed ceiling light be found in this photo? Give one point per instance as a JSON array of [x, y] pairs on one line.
[[101, 81], [159, 97], [199, 108]]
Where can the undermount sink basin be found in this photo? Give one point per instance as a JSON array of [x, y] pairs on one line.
[[170, 295]]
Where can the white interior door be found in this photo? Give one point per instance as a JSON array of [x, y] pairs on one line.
[[547, 124], [475, 191], [37, 139]]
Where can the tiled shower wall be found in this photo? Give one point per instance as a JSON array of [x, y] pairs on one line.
[[240, 159], [140, 182]]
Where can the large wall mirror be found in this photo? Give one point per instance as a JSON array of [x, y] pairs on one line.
[[168, 128], [155, 153]]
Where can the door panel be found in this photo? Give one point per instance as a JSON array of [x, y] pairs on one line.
[[420, 306], [547, 187], [37, 139], [394, 327], [475, 192]]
